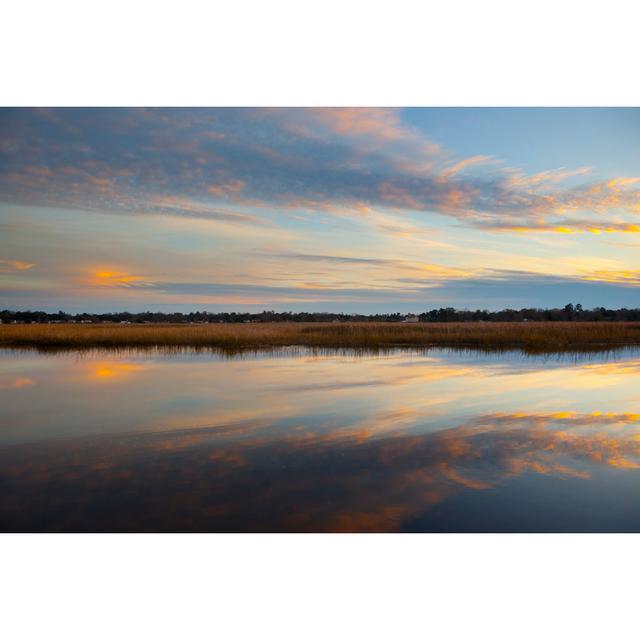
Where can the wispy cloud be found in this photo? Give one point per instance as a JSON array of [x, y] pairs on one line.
[[192, 161], [9, 266], [110, 278]]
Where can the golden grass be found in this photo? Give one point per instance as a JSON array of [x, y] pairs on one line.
[[530, 336]]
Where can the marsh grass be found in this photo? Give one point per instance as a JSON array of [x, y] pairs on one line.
[[535, 337]]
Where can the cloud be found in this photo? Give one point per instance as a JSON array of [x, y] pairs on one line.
[[309, 257], [393, 267], [109, 278], [463, 164], [413, 286], [183, 207], [339, 161], [10, 266], [518, 180]]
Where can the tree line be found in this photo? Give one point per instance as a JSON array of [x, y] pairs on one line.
[[569, 312]]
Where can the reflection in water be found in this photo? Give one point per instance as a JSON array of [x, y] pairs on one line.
[[102, 369], [15, 383], [301, 442]]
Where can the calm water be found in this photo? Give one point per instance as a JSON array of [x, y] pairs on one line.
[[297, 441]]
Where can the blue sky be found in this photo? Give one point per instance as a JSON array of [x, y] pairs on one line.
[[348, 210]]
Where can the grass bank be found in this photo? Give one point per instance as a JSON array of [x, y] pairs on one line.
[[529, 336]]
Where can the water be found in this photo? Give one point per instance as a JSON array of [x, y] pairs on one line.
[[293, 440]]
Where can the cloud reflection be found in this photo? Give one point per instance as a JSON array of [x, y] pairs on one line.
[[252, 479]]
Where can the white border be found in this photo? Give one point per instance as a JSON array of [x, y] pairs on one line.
[[329, 52], [312, 586], [332, 52]]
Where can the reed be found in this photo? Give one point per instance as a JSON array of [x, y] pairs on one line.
[[530, 336]]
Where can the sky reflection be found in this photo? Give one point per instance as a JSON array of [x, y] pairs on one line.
[[404, 441]]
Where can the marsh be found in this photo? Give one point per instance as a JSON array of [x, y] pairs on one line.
[[545, 336]]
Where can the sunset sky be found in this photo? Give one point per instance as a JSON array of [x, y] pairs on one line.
[[352, 210]]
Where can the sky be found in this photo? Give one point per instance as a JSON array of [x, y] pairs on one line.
[[355, 210]]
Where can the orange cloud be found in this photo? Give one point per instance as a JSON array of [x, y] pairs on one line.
[[463, 164], [109, 278], [625, 276], [517, 180], [575, 227], [377, 122], [618, 183], [7, 266]]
